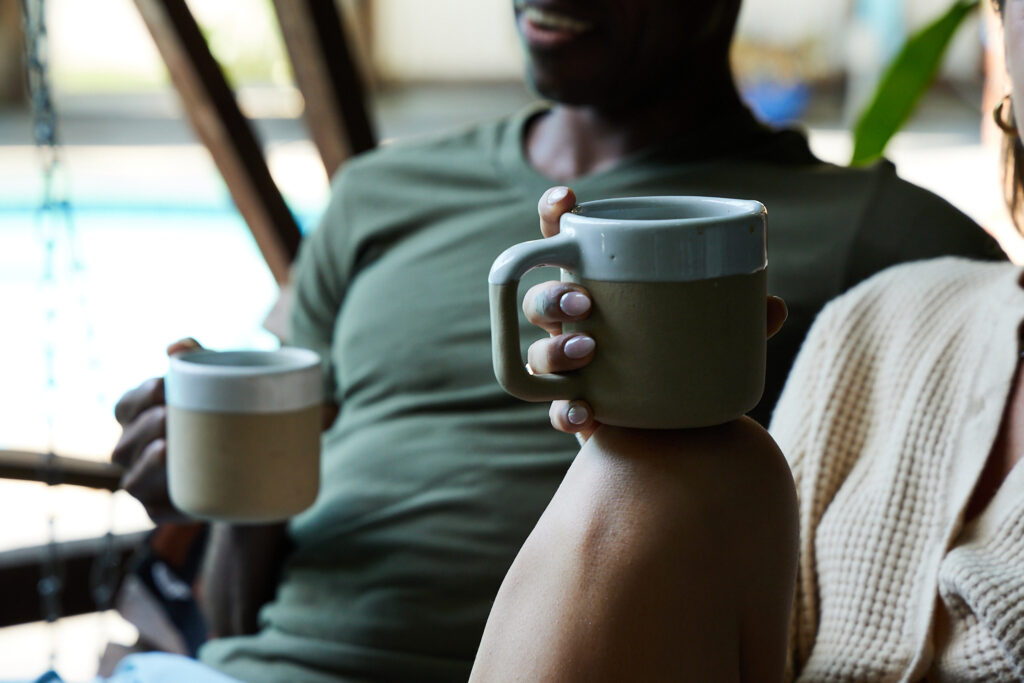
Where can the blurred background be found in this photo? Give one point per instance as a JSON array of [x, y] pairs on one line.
[[155, 249]]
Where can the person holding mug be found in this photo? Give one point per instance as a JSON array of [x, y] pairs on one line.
[[903, 425], [669, 550], [903, 422]]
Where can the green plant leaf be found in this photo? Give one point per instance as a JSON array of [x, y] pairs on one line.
[[908, 77]]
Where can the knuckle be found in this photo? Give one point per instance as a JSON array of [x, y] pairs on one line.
[[119, 411], [545, 355], [530, 306], [154, 420], [153, 457], [125, 410], [542, 304], [543, 301], [558, 416], [553, 353], [120, 454], [153, 389], [549, 301], [137, 400], [535, 356], [130, 484], [158, 453]]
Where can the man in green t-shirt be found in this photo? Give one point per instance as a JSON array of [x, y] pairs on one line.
[[432, 476]]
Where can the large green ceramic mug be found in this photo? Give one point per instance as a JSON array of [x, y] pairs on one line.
[[678, 291]]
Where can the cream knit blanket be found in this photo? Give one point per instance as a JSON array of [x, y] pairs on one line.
[[887, 419]]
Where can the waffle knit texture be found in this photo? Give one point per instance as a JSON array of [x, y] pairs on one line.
[[892, 408]]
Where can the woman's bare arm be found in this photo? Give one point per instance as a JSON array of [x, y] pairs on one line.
[[663, 556]]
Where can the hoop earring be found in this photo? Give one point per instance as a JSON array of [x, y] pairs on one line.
[[1004, 120]]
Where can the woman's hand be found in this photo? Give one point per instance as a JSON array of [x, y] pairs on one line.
[[142, 448], [549, 304]]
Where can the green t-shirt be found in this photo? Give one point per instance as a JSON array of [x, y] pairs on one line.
[[432, 475]]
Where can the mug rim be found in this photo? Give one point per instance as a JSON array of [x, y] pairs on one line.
[[732, 209], [294, 384], [232, 362]]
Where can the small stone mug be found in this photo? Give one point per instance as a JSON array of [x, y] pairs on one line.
[[243, 433]]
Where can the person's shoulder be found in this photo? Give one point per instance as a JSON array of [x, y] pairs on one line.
[[784, 161], [916, 283], [409, 175], [886, 312], [892, 190], [685, 471], [435, 149], [876, 188], [723, 494], [864, 185], [912, 220]]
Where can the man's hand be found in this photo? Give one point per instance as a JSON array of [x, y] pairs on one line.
[[142, 448], [549, 304]]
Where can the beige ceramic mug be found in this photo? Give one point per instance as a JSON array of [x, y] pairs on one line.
[[243, 433], [678, 290]]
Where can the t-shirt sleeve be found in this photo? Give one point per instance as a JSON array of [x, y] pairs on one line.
[[319, 280], [903, 222]]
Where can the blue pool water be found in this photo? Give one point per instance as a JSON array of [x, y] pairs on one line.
[[149, 274]]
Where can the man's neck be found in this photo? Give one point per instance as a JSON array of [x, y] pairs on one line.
[[571, 142]]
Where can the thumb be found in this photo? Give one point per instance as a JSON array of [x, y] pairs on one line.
[[183, 345], [553, 203]]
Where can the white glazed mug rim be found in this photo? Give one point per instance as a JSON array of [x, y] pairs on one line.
[[244, 381], [588, 214], [688, 238], [244, 361]]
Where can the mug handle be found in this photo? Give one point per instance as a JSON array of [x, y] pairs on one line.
[[561, 251]]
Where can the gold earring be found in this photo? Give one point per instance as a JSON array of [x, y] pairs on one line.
[[1003, 116]]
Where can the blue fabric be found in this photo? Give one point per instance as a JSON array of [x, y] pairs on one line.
[[154, 667]]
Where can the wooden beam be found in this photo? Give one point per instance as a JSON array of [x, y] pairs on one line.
[[56, 469], [21, 570], [211, 106], [327, 76], [359, 20], [12, 49]]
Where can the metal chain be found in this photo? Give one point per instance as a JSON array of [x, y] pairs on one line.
[[54, 217], [106, 569], [44, 132]]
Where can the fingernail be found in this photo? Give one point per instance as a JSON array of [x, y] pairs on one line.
[[574, 303], [578, 415], [557, 194], [579, 347]]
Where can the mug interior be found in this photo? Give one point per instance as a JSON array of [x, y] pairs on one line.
[[248, 360], [666, 208], [666, 239]]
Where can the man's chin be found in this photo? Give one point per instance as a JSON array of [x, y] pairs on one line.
[[572, 92]]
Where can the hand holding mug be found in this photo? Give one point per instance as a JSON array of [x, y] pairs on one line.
[[142, 448], [722, 235], [243, 429]]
